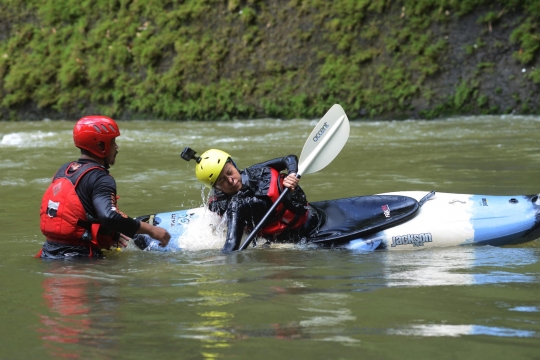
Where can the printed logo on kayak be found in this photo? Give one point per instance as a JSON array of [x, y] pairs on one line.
[[183, 219], [386, 210], [320, 132], [414, 239]]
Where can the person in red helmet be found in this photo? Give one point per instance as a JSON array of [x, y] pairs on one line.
[[79, 214]]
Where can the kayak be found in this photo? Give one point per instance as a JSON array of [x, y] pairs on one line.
[[405, 220]]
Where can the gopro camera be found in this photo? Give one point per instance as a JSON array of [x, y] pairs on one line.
[[189, 154]]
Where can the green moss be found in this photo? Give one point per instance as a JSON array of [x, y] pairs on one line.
[[482, 101], [535, 76], [214, 59], [464, 92], [248, 16], [527, 36]]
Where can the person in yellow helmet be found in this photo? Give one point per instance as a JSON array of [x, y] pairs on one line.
[[245, 196]]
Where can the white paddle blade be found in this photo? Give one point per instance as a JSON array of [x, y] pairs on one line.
[[325, 141]]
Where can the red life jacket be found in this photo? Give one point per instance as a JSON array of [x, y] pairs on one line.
[[285, 218], [62, 215]]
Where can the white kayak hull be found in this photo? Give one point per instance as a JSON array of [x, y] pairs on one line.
[[444, 220], [460, 219]]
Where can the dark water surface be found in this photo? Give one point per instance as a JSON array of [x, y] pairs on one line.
[[284, 302]]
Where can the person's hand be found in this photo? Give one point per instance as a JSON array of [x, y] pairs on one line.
[[155, 232], [291, 181], [160, 234], [123, 241]]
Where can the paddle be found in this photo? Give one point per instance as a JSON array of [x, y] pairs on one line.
[[321, 147]]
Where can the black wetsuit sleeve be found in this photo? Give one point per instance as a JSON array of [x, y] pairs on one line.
[[243, 211], [99, 200], [289, 163], [218, 202]]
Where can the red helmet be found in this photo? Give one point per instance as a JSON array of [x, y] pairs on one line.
[[94, 133]]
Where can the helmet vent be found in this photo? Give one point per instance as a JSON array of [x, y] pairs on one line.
[[112, 128], [218, 161], [97, 129], [104, 128]]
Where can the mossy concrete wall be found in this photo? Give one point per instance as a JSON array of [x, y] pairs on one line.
[[219, 59]]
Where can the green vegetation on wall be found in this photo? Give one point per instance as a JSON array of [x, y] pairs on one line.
[[217, 59]]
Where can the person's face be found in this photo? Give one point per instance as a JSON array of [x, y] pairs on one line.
[[230, 180], [112, 155]]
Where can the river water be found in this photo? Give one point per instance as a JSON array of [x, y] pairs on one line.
[[284, 301]]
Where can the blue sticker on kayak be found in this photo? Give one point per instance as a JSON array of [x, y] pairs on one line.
[[175, 222]]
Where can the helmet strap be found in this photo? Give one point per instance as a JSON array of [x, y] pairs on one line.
[[232, 162]]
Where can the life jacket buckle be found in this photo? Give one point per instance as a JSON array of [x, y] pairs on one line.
[[52, 208], [87, 236]]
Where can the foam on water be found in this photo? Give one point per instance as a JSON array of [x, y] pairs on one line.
[[5, 164], [13, 182], [32, 139], [205, 232]]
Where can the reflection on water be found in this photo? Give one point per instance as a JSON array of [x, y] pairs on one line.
[[459, 266], [212, 332], [213, 328], [461, 330], [69, 329], [526, 308], [67, 300]]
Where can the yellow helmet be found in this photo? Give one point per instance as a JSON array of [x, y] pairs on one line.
[[210, 165]]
